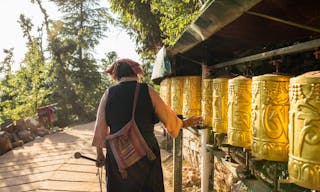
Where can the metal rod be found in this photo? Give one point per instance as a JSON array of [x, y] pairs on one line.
[[247, 159], [275, 182], [284, 21], [301, 47]]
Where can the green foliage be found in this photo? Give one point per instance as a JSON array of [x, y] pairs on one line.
[[153, 23], [6, 86], [68, 77], [84, 21], [175, 16], [31, 78], [141, 23], [26, 90]]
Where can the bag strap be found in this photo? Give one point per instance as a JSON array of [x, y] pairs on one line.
[[135, 100]]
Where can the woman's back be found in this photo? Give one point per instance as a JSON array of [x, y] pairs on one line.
[[120, 103], [145, 175]]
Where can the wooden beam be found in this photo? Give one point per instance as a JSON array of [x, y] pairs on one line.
[[298, 48], [298, 25], [213, 18]]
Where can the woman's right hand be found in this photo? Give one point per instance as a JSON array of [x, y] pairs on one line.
[[192, 121], [100, 158]]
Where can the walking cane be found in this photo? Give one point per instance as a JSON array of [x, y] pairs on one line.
[[78, 155]]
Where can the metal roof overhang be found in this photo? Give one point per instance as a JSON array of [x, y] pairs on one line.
[[229, 30]]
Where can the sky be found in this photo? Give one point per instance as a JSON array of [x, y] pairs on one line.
[[11, 35]]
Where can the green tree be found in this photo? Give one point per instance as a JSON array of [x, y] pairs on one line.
[[175, 17], [141, 23], [153, 23], [75, 71], [26, 90], [32, 82], [85, 24], [6, 86]]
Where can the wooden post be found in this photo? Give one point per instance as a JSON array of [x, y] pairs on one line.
[[206, 164], [204, 71], [177, 163]]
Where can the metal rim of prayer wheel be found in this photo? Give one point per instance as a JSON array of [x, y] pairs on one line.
[[177, 94], [191, 96], [206, 102], [165, 91], [219, 105], [304, 130], [270, 113], [239, 112]]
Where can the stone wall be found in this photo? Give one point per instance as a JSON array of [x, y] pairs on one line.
[[191, 148], [224, 179], [16, 133]]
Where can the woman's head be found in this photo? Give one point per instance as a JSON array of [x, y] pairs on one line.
[[124, 68]]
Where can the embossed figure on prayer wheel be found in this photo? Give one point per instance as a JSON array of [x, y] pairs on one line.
[[220, 105], [206, 102], [177, 94], [191, 96], [165, 91], [239, 112], [304, 130], [270, 113]]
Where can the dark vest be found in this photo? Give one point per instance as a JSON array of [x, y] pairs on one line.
[[119, 107]]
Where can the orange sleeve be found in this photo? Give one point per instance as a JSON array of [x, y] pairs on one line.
[[165, 114], [101, 129]]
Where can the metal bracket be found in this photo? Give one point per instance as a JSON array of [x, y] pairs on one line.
[[276, 63], [316, 54]]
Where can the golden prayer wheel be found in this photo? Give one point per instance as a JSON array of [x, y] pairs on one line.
[[304, 130], [192, 96], [220, 105], [239, 112], [206, 102], [177, 94], [270, 113], [165, 91]]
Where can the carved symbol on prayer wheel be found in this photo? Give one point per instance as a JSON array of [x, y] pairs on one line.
[[219, 105], [192, 96], [304, 130], [206, 102], [239, 112], [270, 108], [165, 91], [177, 94]]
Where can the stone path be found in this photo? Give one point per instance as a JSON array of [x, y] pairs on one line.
[[48, 164]]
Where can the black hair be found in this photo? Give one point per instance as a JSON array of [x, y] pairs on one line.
[[124, 70]]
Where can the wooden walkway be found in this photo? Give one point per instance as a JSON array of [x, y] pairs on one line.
[[47, 164]]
